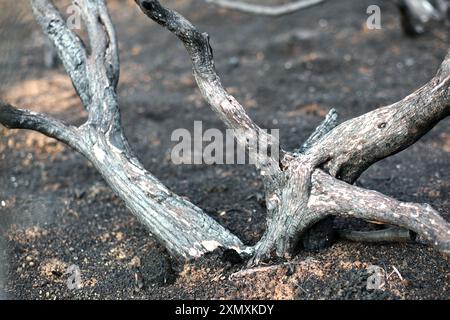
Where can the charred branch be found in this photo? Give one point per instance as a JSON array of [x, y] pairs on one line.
[[332, 196], [415, 14], [68, 45], [302, 188], [392, 234], [183, 228], [329, 123], [14, 118], [345, 152], [225, 105]]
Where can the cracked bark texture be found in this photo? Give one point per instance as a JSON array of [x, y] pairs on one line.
[[332, 196], [184, 229], [344, 151], [358, 143], [302, 187]]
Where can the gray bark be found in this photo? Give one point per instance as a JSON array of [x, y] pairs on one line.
[[302, 188], [358, 143], [332, 196], [67, 44], [391, 234], [184, 229], [415, 14], [345, 151]]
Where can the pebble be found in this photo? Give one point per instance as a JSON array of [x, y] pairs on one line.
[[323, 23], [409, 62], [233, 61]]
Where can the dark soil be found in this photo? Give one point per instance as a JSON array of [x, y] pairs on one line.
[[55, 210]]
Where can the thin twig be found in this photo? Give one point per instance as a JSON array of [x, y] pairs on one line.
[[274, 11]]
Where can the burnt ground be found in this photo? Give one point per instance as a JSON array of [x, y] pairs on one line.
[[288, 72]]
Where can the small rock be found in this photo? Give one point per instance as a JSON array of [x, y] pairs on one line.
[[138, 280], [233, 62]]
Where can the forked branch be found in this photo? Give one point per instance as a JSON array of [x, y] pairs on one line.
[[301, 188], [183, 228], [345, 152]]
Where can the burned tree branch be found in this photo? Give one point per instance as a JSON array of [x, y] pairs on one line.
[[328, 124], [355, 145], [14, 118], [102, 38], [331, 196], [298, 192], [414, 14], [273, 11], [345, 151], [392, 234], [68, 45], [112, 50], [225, 105], [183, 228]]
